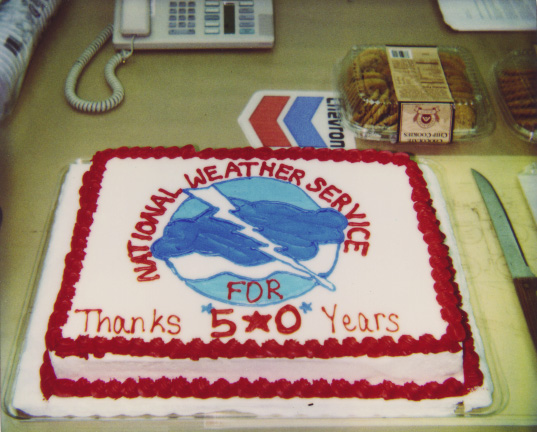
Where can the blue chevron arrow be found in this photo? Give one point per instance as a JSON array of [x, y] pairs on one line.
[[298, 121]]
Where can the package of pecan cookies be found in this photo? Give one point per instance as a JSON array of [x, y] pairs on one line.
[[516, 79], [375, 82]]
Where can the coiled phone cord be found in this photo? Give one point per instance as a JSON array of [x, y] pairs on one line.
[[118, 92]]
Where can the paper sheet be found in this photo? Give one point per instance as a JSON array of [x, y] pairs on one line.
[[490, 15], [528, 181]]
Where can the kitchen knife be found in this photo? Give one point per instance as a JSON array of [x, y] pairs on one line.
[[523, 278]]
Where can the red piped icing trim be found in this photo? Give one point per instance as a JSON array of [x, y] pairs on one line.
[[458, 335], [261, 388]]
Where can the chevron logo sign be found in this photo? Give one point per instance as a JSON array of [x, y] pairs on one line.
[[295, 119]]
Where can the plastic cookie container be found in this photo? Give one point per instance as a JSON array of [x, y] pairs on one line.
[[516, 87], [370, 108]]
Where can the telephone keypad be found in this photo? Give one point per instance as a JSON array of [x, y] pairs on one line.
[[182, 18]]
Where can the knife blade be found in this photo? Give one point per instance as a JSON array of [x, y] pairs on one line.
[[523, 278]]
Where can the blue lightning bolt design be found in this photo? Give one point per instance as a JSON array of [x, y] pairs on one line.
[[213, 197]]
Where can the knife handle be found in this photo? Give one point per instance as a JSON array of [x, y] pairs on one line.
[[526, 289]]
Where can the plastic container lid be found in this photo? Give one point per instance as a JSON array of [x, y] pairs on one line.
[[516, 88], [369, 106]]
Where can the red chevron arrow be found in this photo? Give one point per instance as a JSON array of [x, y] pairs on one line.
[[264, 120]]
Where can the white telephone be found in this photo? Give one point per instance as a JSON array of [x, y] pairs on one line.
[[184, 24], [167, 24]]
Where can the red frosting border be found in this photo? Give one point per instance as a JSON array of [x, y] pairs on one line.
[[458, 330]]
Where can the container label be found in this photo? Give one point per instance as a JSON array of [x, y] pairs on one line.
[[425, 122], [426, 107]]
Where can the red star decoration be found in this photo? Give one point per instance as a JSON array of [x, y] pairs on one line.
[[257, 321]]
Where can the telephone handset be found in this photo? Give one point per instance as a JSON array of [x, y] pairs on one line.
[[167, 24], [134, 17]]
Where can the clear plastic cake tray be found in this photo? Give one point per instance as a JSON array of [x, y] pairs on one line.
[[24, 400]]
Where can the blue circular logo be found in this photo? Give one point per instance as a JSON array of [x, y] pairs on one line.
[[251, 241]]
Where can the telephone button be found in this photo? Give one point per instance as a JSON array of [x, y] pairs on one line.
[[177, 32]]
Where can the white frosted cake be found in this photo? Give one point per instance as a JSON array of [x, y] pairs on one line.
[[259, 281]]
